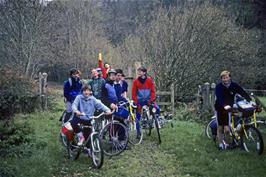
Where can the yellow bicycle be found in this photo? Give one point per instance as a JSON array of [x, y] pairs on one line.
[[133, 124]]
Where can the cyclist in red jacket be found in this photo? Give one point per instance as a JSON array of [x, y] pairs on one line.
[[143, 91]]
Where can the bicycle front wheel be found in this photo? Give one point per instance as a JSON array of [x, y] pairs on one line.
[[73, 150], [157, 126], [97, 151], [135, 132], [252, 140], [114, 138]]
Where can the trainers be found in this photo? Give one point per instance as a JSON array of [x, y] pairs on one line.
[[81, 140], [221, 147]]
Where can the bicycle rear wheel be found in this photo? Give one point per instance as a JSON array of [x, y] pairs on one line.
[[135, 133], [114, 138], [96, 151], [157, 126], [209, 131], [252, 140]]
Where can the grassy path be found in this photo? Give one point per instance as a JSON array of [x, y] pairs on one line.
[[185, 151]]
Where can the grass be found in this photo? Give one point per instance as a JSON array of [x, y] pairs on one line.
[[185, 151]]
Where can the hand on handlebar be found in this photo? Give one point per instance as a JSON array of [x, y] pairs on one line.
[[113, 106], [227, 107], [80, 113]]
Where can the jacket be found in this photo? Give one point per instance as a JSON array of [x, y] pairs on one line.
[[88, 105], [96, 86], [72, 88], [142, 92], [225, 96]]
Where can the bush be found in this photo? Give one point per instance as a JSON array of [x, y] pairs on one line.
[[16, 94]]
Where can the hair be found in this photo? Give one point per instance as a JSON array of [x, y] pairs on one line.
[[111, 71], [143, 69], [73, 71], [86, 87], [119, 71], [106, 63], [224, 73]]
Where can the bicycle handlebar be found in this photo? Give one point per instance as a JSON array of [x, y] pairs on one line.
[[97, 117]]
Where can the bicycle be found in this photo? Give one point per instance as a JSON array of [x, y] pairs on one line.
[[212, 124], [149, 118], [92, 146], [132, 123], [114, 136], [242, 133]]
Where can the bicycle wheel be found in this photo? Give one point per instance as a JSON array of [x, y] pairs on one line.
[[63, 139], [146, 124], [73, 150], [208, 130], [114, 138], [96, 151], [252, 140], [135, 133], [157, 126]]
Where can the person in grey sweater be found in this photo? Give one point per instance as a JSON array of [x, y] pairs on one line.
[[84, 107]]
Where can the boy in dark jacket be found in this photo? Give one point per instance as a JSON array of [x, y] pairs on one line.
[[72, 88], [225, 92]]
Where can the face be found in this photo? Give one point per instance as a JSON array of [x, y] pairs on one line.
[[86, 92], [76, 75], [112, 77], [94, 73], [118, 77], [226, 79], [141, 73]]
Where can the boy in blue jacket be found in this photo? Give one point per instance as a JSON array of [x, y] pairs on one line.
[[84, 107], [72, 88]]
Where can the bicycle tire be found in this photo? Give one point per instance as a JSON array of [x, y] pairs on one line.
[[157, 128], [110, 135], [208, 131], [252, 140], [97, 153], [148, 124], [63, 139], [133, 136], [73, 151]]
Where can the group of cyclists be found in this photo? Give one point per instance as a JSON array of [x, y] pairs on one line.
[[107, 87], [104, 91]]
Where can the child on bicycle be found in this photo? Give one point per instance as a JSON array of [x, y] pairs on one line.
[[84, 107], [225, 92]]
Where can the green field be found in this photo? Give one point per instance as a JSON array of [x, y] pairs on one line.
[[185, 151]]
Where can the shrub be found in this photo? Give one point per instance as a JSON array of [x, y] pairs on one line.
[[16, 94]]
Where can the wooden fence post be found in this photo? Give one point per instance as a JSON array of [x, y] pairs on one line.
[[212, 96], [45, 90], [173, 98]]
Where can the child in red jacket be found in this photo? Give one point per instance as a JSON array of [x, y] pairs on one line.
[[143, 91]]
